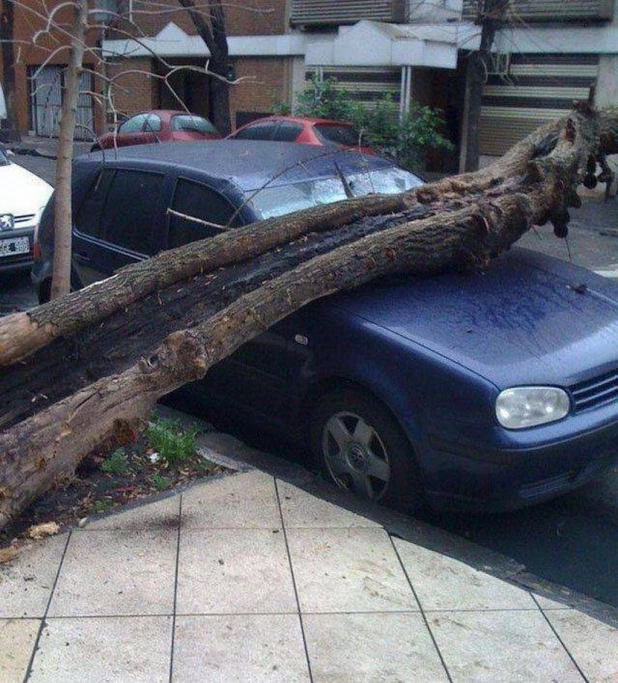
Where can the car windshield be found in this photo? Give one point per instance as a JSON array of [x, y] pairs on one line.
[[284, 199], [338, 135], [193, 123], [382, 181]]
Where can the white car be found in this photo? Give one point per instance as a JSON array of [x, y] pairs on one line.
[[23, 196]]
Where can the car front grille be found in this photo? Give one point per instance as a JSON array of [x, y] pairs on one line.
[[26, 218], [595, 392]]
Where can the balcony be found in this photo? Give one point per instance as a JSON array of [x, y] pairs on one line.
[[310, 13], [551, 10]]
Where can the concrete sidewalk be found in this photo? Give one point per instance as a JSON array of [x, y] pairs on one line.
[[250, 578]]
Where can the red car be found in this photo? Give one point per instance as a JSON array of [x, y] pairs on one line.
[[158, 125], [305, 131]]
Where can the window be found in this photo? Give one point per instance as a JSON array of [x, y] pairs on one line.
[[258, 131], [198, 201], [88, 219], [283, 199], [338, 135], [153, 123], [193, 123], [120, 208], [131, 210], [133, 125], [382, 181], [288, 131]]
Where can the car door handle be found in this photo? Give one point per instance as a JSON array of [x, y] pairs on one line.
[[81, 258]]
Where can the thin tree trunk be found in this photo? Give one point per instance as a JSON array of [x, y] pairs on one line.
[[61, 282], [193, 321], [490, 17]]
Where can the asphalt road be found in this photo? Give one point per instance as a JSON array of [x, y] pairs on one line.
[[572, 541]]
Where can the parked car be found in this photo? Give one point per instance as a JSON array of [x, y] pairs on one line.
[[23, 196], [158, 125], [472, 391], [306, 131]]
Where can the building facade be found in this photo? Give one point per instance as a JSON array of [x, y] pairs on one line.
[[549, 53]]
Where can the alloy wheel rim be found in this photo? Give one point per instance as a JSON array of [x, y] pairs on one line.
[[355, 455]]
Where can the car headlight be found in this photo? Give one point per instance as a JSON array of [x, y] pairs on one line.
[[522, 407]]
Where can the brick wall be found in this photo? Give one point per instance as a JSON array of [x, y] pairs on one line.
[[245, 18], [133, 89], [267, 83]]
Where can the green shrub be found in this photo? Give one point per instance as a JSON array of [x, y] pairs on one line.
[[117, 463], [171, 442], [404, 139]]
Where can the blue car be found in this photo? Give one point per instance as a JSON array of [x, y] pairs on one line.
[[478, 391]]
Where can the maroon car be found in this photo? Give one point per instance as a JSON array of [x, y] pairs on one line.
[[306, 131], [158, 125]]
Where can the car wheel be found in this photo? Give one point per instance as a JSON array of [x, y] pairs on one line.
[[361, 447]]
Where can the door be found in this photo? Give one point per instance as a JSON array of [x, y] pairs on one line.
[[46, 100], [118, 222]]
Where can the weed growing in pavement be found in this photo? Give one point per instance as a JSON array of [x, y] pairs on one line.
[[171, 442], [159, 481], [117, 463]]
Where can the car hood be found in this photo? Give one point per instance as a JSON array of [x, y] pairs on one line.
[[22, 192], [528, 319]]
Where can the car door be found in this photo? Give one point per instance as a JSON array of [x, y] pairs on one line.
[[117, 222], [257, 374]]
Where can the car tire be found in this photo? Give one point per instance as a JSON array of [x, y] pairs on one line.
[[360, 446]]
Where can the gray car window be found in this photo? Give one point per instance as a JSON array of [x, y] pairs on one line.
[[131, 210], [201, 202], [258, 131], [133, 125]]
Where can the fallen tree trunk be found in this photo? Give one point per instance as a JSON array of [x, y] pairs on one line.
[[203, 301]]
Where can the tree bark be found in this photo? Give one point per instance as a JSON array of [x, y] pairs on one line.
[[490, 16], [215, 37], [63, 217], [179, 313]]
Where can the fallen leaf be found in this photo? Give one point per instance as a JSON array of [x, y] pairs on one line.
[[8, 554], [42, 530]]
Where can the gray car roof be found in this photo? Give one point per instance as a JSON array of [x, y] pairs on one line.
[[248, 163]]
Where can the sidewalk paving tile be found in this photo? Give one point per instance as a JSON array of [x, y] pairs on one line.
[[441, 582], [302, 510], [17, 638], [115, 573], [592, 643], [98, 650], [501, 646], [547, 603], [348, 570], [223, 571], [247, 500], [26, 583], [160, 514], [239, 648], [391, 647]]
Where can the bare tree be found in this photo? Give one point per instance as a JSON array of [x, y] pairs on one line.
[[54, 412], [490, 16], [215, 37]]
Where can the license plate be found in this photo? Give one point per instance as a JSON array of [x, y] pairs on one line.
[[17, 245]]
